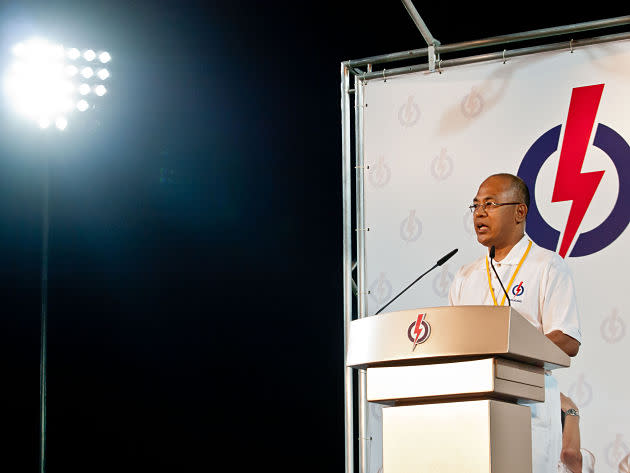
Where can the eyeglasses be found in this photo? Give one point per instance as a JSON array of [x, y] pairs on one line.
[[489, 205]]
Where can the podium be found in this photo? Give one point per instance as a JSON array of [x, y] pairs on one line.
[[451, 379]]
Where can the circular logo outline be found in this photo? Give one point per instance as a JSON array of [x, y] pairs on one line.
[[410, 106], [616, 335], [440, 279], [407, 234], [425, 336], [474, 98], [380, 282], [379, 174], [518, 289], [436, 168], [592, 241]]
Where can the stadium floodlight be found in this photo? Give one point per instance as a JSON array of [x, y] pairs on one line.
[[73, 53], [82, 105], [103, 74], [87, 72], [61, 123], [41, 85], [100, 90], [45, 80], [19, 49]]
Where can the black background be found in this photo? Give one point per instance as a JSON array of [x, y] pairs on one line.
[[195, 301]]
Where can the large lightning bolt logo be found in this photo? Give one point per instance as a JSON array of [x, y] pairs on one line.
[[571, 184], [419, 331]]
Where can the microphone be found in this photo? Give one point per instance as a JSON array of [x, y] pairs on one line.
[[440, 262], [492, 252], [445, 258]]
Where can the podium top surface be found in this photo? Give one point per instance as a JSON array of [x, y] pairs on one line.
[[449, 334]]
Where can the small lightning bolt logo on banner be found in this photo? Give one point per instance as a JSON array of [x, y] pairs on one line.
[[571, 183]]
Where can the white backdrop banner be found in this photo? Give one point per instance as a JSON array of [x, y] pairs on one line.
[[430, 139]]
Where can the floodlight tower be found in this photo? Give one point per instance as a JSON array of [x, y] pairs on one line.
[[46, 84]]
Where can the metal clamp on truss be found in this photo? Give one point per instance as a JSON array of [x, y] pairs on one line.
[[434, 59]]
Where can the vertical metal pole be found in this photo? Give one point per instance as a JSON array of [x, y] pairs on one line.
[[347, 259], [44, 328], [361, 291], [360, 209]]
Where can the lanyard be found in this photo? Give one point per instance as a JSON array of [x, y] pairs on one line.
[[520, 263]]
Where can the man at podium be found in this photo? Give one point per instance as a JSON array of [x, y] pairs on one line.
[[535, 281]]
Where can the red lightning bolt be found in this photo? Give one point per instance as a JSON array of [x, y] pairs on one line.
[[518, 288], [571, 183], [418, 329]]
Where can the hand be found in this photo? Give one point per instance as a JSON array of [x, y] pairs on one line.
[[566, 403], [567, 343]]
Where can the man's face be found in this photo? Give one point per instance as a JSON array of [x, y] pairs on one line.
[[495, 226]]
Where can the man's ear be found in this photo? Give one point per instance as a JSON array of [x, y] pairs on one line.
[[521, 213]]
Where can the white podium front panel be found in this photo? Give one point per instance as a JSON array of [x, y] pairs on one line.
[[473, 436]]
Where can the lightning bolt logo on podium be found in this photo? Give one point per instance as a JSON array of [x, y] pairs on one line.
[[418, 329]]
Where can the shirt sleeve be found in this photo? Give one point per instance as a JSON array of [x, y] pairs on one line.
[[558, 302], [588, 461]]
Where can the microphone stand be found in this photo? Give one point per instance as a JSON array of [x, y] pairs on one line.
[[492, 253], [440, 262]]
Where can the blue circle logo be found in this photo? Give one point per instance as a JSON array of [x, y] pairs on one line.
[[518, 289], [615, 147]]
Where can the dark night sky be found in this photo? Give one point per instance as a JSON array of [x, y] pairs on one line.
[[198, 320]]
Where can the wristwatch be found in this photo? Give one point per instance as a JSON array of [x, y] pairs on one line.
[[572, 412]]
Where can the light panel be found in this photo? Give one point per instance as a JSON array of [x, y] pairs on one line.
[[87, 72], [19, 50], [103, 74], [82, 105], [46, 81], [61, 123], [73, 53]]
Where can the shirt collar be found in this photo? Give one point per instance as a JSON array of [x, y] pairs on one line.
[[516, 253]]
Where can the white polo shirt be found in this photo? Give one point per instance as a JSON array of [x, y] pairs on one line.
[[543, 291]]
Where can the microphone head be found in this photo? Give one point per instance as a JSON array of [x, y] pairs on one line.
[[492, 251], [445, 258]]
